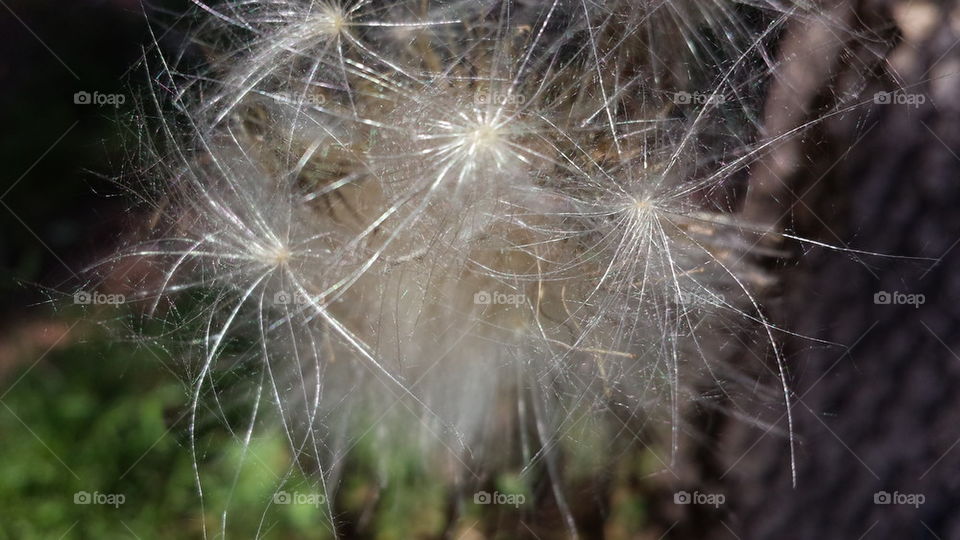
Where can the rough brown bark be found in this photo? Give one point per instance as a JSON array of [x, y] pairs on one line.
[[880, 412]]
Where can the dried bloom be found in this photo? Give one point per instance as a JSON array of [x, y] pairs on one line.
[[411, 213]]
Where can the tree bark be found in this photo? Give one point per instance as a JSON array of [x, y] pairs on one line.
[[878, 416]]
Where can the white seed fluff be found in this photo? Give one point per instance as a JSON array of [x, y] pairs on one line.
[[429, 216]]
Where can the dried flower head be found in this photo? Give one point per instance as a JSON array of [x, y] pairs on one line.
[[409, 214]]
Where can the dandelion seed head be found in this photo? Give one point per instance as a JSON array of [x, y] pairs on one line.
[[484, 136], [467, 208], [330, 20], [641, 206], [276, 255]]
